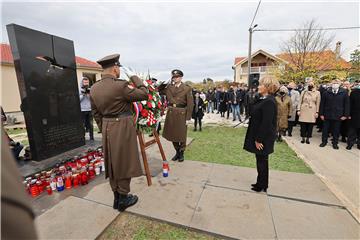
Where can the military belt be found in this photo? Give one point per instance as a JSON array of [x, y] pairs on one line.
[[177, 105], [118, 115]]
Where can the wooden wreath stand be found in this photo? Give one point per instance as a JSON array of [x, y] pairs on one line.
[[144, 145]]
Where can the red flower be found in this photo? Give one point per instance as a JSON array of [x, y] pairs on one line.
[[150, 97], [149, 104], [144, 112], [149, 82], [148, 123], [159, 104]]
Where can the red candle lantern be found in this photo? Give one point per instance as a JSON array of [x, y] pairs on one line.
[[34, 190], [49, 190], [68, 182], [76, 180]]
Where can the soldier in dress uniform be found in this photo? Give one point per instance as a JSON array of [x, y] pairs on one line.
[[180, 98], [111, 100]]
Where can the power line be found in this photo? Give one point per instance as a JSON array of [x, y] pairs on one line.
[[306, 29], [255, 14]]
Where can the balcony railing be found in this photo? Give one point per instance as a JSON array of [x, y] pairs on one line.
[[261, 69]]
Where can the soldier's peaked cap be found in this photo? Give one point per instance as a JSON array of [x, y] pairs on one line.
[[109, 61], [177, 73]]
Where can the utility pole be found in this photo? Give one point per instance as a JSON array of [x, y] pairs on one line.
[[251, 30]]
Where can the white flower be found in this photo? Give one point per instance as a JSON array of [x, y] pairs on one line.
[[155, 98], [143, 102], [142, 121], [153, 104]]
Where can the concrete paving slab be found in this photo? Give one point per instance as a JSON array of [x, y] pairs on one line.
[[103, 194], [236, 214], [289, 184], [301, 186], [169, 201], [338, 169], [74, 218], [232, 176], [190, 171], [297, 220]]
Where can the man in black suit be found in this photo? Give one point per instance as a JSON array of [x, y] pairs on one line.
[[334, 108], [354, 119]]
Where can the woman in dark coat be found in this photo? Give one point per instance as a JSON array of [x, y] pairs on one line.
[[261, 133], [222, 100], [198, 110]]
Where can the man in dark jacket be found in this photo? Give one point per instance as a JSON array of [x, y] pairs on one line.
[[354, 124], [236, 98], [334, 108], [210, 97]]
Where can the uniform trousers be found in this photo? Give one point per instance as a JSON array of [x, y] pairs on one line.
[[179, 146], [121, 186], [262, 166]]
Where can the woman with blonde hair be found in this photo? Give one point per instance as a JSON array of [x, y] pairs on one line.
[[261, 133], [308, 111]]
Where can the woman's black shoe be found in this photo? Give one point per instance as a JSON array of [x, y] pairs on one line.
[[303, 140], [258, 189], [307, 141], [254, 185]]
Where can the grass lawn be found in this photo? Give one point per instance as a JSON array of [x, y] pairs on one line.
[[12, 131], [224, 145], [129, 226]]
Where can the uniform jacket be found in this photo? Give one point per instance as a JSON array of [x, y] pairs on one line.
[[17, 217], [180, 109], [110, 97], [200, 110], [262, 126], [334, 106], [284, 109], [355, 108], [309, 105], [295, 99]]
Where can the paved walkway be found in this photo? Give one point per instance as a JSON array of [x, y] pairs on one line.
[[339, 169], [209, 197]]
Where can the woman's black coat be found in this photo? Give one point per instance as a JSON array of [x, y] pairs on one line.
[[200, 112], [223, 99], [262, 126]]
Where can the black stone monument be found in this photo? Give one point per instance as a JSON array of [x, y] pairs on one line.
[[46, 73]]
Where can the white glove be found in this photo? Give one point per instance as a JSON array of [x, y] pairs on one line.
[[163, 82], [128, 71]]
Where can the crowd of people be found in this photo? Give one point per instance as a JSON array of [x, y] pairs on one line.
[[333, 108]]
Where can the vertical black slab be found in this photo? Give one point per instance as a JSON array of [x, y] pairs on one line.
[[48, 90]]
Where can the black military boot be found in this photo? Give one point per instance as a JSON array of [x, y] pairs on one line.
[[116, 200], [126, 200], [181, 156], [176, 157]]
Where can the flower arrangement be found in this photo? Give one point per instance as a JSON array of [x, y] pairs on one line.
[[148, 112]]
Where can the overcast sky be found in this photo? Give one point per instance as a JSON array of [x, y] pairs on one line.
[[201, 38]]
